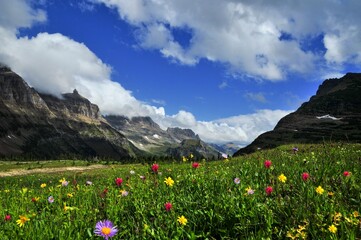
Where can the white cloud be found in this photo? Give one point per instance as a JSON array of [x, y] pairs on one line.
[[54, 63], [18, 13], [245, 35], [241, 129]]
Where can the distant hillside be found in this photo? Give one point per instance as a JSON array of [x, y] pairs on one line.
[[34, 125], [145, 134], [39, 126], [333, 114], [227, 148]]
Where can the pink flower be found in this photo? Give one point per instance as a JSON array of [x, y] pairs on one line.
[[155, 168], [347, 173], [269, 190], [195, 165], [237, 180], [7, 217], [168, 206], [267, 164], [305, 176], [118, 181]]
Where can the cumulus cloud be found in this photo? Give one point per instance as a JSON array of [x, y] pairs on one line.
[[248, 36], [54, 63], [18, 13], [240, 129]]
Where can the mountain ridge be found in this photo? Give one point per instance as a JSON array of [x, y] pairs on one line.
[[38, 125], [332, 114]]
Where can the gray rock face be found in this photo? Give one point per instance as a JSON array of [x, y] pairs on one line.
[[15, 91], [144, 133], [333, 114], [41, 126], [179, 134]]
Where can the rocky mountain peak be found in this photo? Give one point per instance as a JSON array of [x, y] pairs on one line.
[[181, 134], [14, 90], [333, 114]]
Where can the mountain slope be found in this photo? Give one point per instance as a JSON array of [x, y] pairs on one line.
[[40, 126], [333, 114], [147, 135]]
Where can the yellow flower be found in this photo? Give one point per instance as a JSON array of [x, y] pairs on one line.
[[43, 185], [301, 228], [332, 228], [184, 159], [66, 208], [337, 217], [169, 181], [356, 214], [320, 190], [191, 156], [22, 220], [282, 178], [182, 220], [330, 194], [70, 195], [289, 235]]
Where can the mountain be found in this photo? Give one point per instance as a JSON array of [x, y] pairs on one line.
[[40, 126], [333, 114], [227, 148], [148, 136]]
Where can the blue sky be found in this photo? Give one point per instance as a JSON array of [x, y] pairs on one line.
[[229, 70]]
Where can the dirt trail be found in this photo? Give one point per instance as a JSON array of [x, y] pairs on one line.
[[19, 172]]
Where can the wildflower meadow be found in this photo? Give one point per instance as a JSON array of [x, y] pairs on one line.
[[311, 193]]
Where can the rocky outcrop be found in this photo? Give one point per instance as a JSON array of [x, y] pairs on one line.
[[40, 126], [147, 135], [179, 134], [332, 115]]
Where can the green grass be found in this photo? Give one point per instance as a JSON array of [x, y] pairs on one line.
[[214, 205]]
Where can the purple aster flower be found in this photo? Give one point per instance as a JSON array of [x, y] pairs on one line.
[[51, 199], [237, 180], [105, 229]]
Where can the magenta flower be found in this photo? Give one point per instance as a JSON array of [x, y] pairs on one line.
[[168, 206], [195, 165], [105, 229], [118, 181], [347, 173], [7, 217], [155, 168], [267, 164], [305, 176], [269, 190]]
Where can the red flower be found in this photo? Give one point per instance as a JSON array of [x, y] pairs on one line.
[[168, 206], [269, 190], [155, 168], [346, 173], [267, 164], [118, 181], [7, 217], [305, 176], [195, 165]]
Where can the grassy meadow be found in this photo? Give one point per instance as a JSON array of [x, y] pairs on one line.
[[312, 193]]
